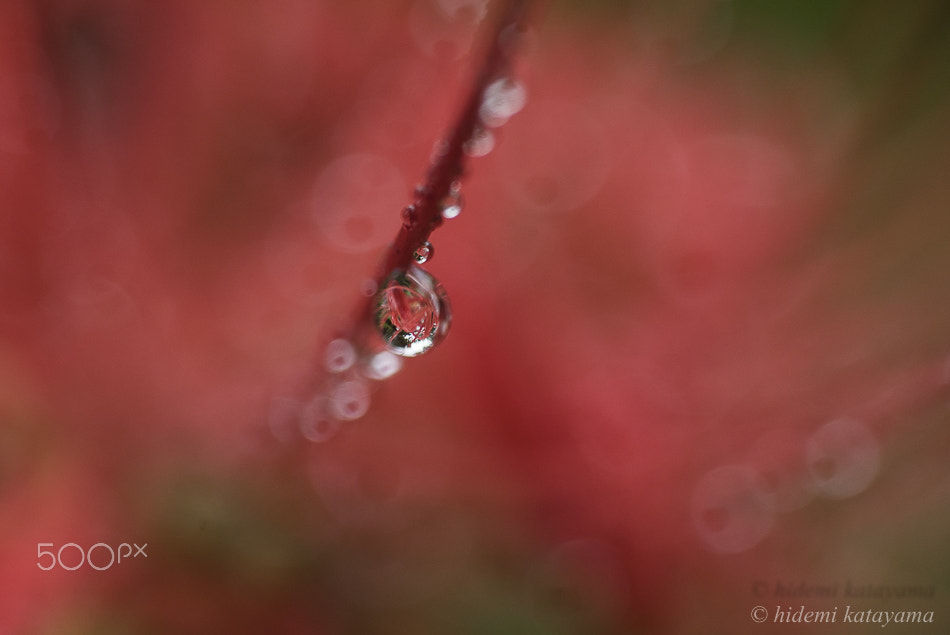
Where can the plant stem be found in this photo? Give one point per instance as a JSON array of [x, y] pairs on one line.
[[448, 161]]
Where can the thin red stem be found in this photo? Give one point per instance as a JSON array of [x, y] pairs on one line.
[[448, 163]]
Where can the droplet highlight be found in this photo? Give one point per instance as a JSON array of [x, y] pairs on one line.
[[383, 365], [501, 100], [423, 253], [412, 312], [480, 143], [451, 204]]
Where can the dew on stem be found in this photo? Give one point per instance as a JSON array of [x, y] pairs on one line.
[[423, 253], [410, 216], [405, 311], [502, 99], [480, 143], [451, 205]]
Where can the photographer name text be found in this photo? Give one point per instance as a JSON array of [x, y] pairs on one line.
[[849, 615]]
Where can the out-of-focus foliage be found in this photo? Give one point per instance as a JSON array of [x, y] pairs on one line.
[[700, 332]]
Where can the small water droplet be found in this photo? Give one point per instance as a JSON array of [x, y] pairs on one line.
[[439, 148], [383, 365], [348, 400], [451, 204], [480, 143], [340, 355], [423, 253], [501, 100], [410, 216], [412, 312]]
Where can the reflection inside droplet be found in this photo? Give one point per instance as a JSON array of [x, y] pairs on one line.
[[423, 253], [843, 458], [412, 312]]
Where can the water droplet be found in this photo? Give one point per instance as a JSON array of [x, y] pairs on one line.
[[412, 312], [383, 365], [339, 356], [501, 100], [315, 423], [439, 148], [843, 458], [480, 143], [410, 216], [451, 204], [423, 253], [730, 510], [348, 400]]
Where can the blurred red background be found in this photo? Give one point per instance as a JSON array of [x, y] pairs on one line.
[[700, 316]]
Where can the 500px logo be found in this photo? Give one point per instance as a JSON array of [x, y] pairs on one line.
[[106, 556]]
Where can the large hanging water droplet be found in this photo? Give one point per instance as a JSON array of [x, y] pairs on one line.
[[502, 99], [423, 253], [412, 312]]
